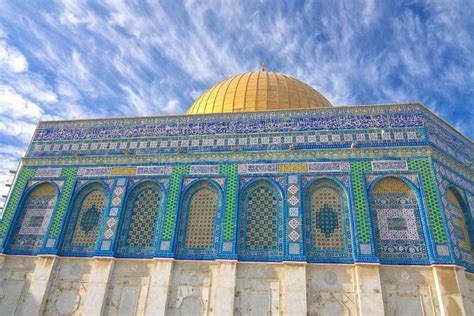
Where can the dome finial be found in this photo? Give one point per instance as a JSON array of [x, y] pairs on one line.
[[262, 66]]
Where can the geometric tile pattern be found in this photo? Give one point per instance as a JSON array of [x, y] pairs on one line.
[[200, 206], [201, 217], [397, 221], [326, 218], [172, 204], [14, 199], [66, 193], [458, 224], [35, 217], [261, 224], [85, 219], [435, 216], [145, 204], [230, 201], [360, 201]]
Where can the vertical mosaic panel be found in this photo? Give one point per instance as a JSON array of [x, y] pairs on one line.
[[327, 220], [397, 221], [14, 200], [143, 208], [173, 196], [230, 202], [35, 217], [198, 221], [85, 220], [360, 200], [261, 221], [66, 193], [434, 210], [459, 226], [326, 211]]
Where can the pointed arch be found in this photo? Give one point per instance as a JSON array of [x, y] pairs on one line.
[[140, 221], [86, 215], [396, 215], [462, 226], [200, 214], [261, 220], [328, 232], [34, 219]]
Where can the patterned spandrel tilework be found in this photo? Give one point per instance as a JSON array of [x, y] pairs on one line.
[[201, 215], [172, 204], [397, 221], [261, 219], [14, 200], [360, 200], [35, 217], [230, 201], [144, 205], [66, 193], [431, 196]]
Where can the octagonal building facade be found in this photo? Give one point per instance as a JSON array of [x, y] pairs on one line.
[[262, 199]]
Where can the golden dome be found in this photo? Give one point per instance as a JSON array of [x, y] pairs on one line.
[[258, 91]]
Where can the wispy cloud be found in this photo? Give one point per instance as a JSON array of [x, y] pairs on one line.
[[76, 59]]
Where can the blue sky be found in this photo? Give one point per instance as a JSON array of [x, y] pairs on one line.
[[80, 59]]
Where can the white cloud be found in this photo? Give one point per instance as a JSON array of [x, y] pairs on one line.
[[11, 59]]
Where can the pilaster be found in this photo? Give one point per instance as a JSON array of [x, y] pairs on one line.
[[101, 270], [294, 283], [452, 291], [35, 298], [225, 288], [159, 287], [369, 289]]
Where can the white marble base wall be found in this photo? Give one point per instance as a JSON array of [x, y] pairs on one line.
[[78, 286]]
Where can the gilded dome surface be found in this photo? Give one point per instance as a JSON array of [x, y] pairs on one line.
[[258, 91]]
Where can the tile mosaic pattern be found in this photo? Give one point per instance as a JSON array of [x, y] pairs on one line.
[[327, 221], [360, 201], [173, 197], [84, 223], [35, 217], [261, 220], [145, 204], [397, 221], [66, 194], [14, 200], [431, 196], [202, 207], [230, 201]]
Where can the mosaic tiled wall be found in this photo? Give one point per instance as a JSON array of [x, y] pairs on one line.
[[455, 191], [292, 152], [144, 206], [86, 215], [398, 226], [261, 220], [35, 216], [200, 209], [327, 220]]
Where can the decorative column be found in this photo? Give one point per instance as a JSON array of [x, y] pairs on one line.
[[34, 300], [101, 270], [452, 291], [225, 288], [159, 287], [107, 234], [294, 283], [369, 289]]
